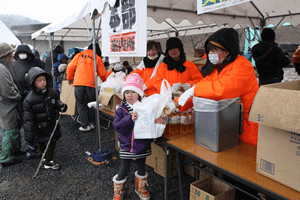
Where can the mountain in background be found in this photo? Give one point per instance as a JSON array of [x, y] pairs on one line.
[[12, 20]]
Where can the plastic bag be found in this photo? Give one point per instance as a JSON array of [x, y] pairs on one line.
[[150, 109], [115, 81]]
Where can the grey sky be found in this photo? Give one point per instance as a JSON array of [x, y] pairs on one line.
[[43, 10]]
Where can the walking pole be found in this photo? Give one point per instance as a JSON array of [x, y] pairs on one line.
[[41, 161]]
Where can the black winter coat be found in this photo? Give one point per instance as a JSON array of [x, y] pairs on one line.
[[40, 111], [21, 67], [269, 60]]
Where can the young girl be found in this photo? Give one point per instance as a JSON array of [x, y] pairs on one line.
[[131, 148]]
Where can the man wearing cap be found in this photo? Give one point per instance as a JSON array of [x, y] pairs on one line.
[[229, 75], [179, 72], [269, 58], [10, 97]]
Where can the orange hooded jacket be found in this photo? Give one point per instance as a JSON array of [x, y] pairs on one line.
[[296, 55], [81, 68], [146, 74], [237, 79], [191, 75]]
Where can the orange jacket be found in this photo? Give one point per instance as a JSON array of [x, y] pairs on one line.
[[296, 55], [237, 79], [191, 75], [146, 74], [81, 68]]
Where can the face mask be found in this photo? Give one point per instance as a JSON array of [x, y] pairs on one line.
[[22, 56], [214, 58], [153, 58]]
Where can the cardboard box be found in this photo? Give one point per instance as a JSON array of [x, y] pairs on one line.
[[212, 189], [157, 161], [110, 100], [276, 108], [67, 96], [190, 170]]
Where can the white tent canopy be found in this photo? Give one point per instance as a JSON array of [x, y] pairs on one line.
[[253, 13], [176, 15], [7, 36]]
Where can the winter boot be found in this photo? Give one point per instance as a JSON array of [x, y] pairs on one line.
[[119, 188], [140, 189]]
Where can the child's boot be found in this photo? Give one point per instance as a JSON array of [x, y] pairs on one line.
[[140, 186], [118, 188]]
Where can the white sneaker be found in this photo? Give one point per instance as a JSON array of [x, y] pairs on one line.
[[51, 165], [88, 128], [92, 126]]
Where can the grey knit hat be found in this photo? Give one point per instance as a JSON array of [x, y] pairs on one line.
[[5, 49]]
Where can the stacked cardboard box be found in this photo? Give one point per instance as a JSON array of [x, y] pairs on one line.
[[276, 108]]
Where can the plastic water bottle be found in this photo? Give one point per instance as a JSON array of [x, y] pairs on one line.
[[167, 129], [191, 123], [176, 125], [183, 123], [173, 122]]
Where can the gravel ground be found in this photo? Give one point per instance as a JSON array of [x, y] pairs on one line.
[[78, 178]]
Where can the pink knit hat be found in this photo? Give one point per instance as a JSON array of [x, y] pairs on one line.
[[134, 82]]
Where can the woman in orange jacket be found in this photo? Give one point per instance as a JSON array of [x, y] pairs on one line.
[[179, 72], [230, 76], [148, 67]]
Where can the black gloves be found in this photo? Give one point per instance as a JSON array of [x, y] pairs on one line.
[[64, 108]]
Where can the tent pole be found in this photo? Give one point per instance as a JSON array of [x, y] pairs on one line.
[[51, 48], [96, 82]]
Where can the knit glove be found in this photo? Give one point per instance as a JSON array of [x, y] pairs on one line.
[[186, 86], [175, 87]]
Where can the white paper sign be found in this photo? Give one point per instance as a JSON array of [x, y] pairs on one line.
[[204, 6], [124, 29]]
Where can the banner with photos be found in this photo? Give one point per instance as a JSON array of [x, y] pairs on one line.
[[124, 29]]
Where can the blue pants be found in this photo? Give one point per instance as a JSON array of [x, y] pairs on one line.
[[57, 87], [84, 95]]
